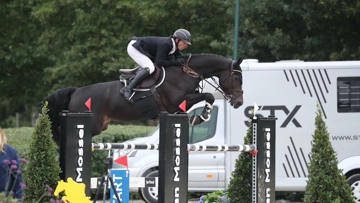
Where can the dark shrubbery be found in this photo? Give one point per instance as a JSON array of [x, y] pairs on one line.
[[326, 182], [20, 138], [43, 168], [240, 184]]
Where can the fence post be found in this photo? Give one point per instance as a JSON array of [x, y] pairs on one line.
[[173, 158], [264, 134], [75, 147]]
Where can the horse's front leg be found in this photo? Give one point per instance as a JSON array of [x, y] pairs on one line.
[[205, 115]]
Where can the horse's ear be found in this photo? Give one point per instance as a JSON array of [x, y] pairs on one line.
[[237, 64]]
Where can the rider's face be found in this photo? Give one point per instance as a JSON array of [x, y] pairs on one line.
[[182, 45]]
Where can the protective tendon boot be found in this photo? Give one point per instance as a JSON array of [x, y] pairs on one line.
[[206, 113], [127, 91]]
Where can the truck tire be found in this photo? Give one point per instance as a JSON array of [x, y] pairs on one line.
[[354, 182], [150, 194]]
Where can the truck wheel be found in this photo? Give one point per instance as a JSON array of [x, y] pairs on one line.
[[354, 182], [150, 194]]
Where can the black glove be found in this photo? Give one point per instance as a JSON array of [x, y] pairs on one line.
[[176, 62]]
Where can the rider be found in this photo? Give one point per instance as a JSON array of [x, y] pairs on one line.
[[146, 51]]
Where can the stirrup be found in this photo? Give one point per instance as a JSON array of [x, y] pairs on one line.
[[123, 92]]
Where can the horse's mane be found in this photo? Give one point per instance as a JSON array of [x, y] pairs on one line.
[[205, 54], [210, 55]]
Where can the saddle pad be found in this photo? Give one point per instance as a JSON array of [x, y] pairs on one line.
[[146, 103]]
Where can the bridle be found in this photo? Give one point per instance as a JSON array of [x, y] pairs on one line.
[[217, 86]]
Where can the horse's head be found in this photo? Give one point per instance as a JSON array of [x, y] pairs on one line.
[[231, 83], [229, 74]]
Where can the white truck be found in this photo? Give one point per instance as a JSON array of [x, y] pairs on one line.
[[289, 90]]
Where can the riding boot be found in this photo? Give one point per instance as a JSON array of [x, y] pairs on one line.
[[128, 90]]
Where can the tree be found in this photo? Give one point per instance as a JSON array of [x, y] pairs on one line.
[[326, 183], [43, 168], [308, 30], [240, 186], [46, 45], [22, 67], [89, 39]]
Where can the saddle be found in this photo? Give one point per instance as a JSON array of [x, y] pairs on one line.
[[156, 78], [146, 97]]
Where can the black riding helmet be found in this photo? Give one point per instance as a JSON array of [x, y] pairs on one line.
[[183, 35]]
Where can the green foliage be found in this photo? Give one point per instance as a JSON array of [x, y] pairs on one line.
[[43, 168], [75, 43], [326, 183], [7, 199], [273, 30], [239, 188], [20, 139], [215, 197], [89, 40], [121, 133], [22, 67]]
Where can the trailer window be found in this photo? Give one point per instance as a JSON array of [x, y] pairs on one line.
[[348, 94], [205, 130]]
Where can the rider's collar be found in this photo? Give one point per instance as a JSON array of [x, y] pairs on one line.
[[174, 46]]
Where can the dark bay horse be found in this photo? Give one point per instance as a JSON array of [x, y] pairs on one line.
[[179, 84]]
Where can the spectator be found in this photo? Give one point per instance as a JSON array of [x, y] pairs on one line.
[[10, 171]]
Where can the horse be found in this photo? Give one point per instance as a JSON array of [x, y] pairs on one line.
[[178, 87]]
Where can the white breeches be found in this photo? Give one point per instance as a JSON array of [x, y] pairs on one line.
[[139, 57]]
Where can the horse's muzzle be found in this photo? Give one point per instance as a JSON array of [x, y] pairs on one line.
[[237, 105], [237, 101]]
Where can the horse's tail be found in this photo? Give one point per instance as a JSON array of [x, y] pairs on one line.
[[58, 101]]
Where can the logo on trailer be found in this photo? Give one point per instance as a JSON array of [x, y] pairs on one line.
[[272, 111]]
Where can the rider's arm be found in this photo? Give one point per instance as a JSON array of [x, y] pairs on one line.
[[177, 53], [162, 56]]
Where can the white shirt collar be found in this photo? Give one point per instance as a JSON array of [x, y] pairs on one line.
[[174, 47]]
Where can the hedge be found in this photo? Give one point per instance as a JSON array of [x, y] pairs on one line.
[[20, 138]]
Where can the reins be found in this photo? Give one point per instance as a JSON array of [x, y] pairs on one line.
[[190, 71]]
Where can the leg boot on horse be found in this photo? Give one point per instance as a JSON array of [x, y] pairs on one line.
[[128, 90]]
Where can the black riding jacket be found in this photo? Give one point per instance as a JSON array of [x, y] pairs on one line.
[[158, 49]]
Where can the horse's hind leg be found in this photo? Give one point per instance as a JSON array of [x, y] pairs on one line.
[[97, 127], [100, 125]]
